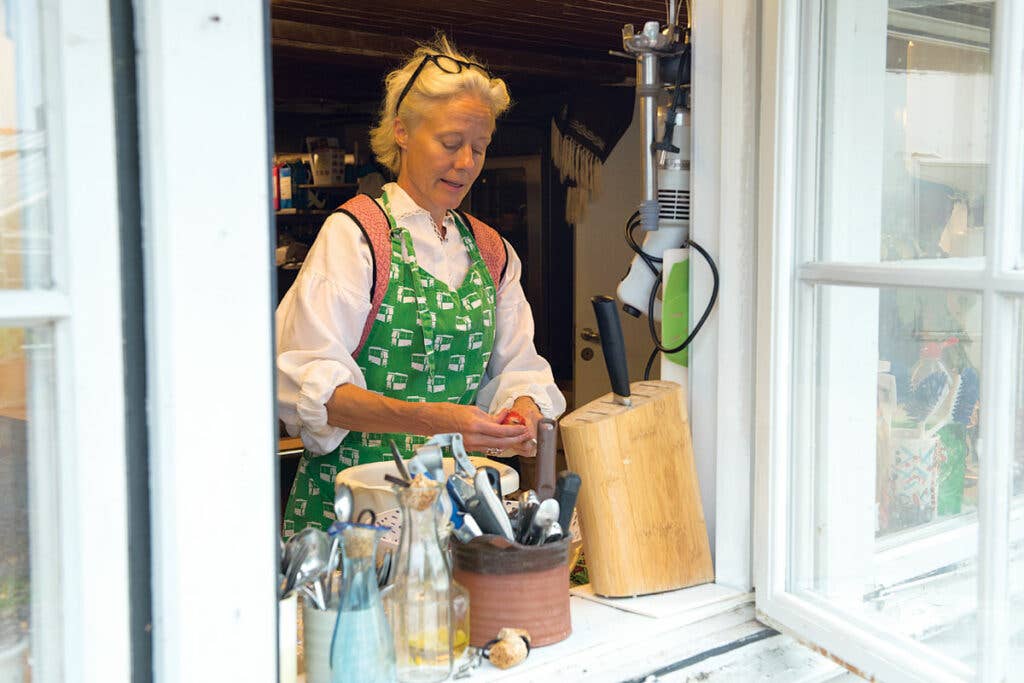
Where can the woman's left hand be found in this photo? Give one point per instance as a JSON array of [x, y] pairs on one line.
[[528, 410]]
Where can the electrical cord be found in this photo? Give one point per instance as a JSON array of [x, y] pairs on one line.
[[650, 261]]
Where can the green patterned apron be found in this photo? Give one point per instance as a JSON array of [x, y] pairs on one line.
[[429, 343]]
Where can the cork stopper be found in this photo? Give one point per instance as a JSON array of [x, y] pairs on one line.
[[359, 541], [421, 493], [511, 647]]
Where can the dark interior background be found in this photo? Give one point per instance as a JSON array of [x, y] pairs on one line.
[[329, 62]]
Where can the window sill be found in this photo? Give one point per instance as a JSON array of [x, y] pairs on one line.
[[634, 636]]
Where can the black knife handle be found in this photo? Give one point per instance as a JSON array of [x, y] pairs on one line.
[[484, 517], [612, 344], [566, 491], [495, 478]]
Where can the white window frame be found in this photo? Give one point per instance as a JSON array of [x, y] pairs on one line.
[[791, 61], [723, 183], [77, 496], [203, 69]]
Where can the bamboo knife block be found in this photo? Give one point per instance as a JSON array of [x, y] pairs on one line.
[[639, 504]]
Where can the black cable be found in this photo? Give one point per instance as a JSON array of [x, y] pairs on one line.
[[703, 317], [650, 363], [650, 261]]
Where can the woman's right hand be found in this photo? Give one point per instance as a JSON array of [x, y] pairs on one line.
[[480, 431]]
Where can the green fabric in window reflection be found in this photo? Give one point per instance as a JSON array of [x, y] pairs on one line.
[[951, 464]]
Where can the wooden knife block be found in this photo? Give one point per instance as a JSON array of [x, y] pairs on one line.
[[639, 505]]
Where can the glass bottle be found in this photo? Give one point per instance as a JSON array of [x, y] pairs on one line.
[[362, 650], [427, 609]]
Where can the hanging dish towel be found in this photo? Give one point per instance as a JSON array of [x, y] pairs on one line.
[[583, 135]]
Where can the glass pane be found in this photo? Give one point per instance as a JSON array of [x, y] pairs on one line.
[[905, 134], [888, 458], [25, 375], [1016, 602], [24, 225], [1018, 460]]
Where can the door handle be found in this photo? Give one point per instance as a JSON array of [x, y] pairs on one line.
[[590, 335]]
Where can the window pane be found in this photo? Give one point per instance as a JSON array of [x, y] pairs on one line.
[[1016, 602], [24, 225], [887, 459], [25, 378], [1018, 460], [905, 136]]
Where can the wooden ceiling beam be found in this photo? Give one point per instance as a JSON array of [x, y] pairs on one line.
[[328, 43]]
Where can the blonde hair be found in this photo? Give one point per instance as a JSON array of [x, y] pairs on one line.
[[431, 86]]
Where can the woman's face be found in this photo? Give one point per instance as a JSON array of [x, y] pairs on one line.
[[444, 152]]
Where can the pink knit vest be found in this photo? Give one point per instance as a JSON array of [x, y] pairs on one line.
[[371, 219]]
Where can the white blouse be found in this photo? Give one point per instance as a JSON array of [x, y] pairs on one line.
[[320, 321]]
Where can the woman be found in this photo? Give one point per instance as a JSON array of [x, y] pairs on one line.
[[449, 346]]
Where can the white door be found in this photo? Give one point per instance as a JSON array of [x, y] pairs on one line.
[[601, 259]]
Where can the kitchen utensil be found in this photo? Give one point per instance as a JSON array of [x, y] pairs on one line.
[[415, 466], [566, 490], [460, 491], [453, 442], [397, 481], [484, 516], [384, 570], [546, 515], [492, 500], [463, 533], [528, 504], [546, 442], [553, 533], [327, 578], [370, 490], [469, 522], [396, 455], [494, 478], [432, 457], [315, 551], [638, 475], [293, 556], [343, 503], [614, 347]]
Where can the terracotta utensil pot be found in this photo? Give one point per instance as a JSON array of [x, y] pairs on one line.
[[519, 586]]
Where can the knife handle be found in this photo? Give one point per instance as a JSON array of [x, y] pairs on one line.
[[566, 491], [612, 344], [494, 478], [483, 515], [546, 445]]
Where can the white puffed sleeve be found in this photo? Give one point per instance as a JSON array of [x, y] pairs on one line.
[[319, 323], [515, 368]]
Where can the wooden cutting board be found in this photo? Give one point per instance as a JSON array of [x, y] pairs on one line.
[[640, 509]]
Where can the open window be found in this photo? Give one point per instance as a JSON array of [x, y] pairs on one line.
[[889, 465], [64, 567]]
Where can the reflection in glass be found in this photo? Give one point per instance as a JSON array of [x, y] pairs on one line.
[[24, 223], [1015, 603], [1018, 459], [887, 460], [928, 401], [930, 107], [24, 353]]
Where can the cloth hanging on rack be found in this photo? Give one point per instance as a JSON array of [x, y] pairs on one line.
[[583, 135]]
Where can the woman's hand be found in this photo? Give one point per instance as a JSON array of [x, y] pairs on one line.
[[480, 431], [526, 408]]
